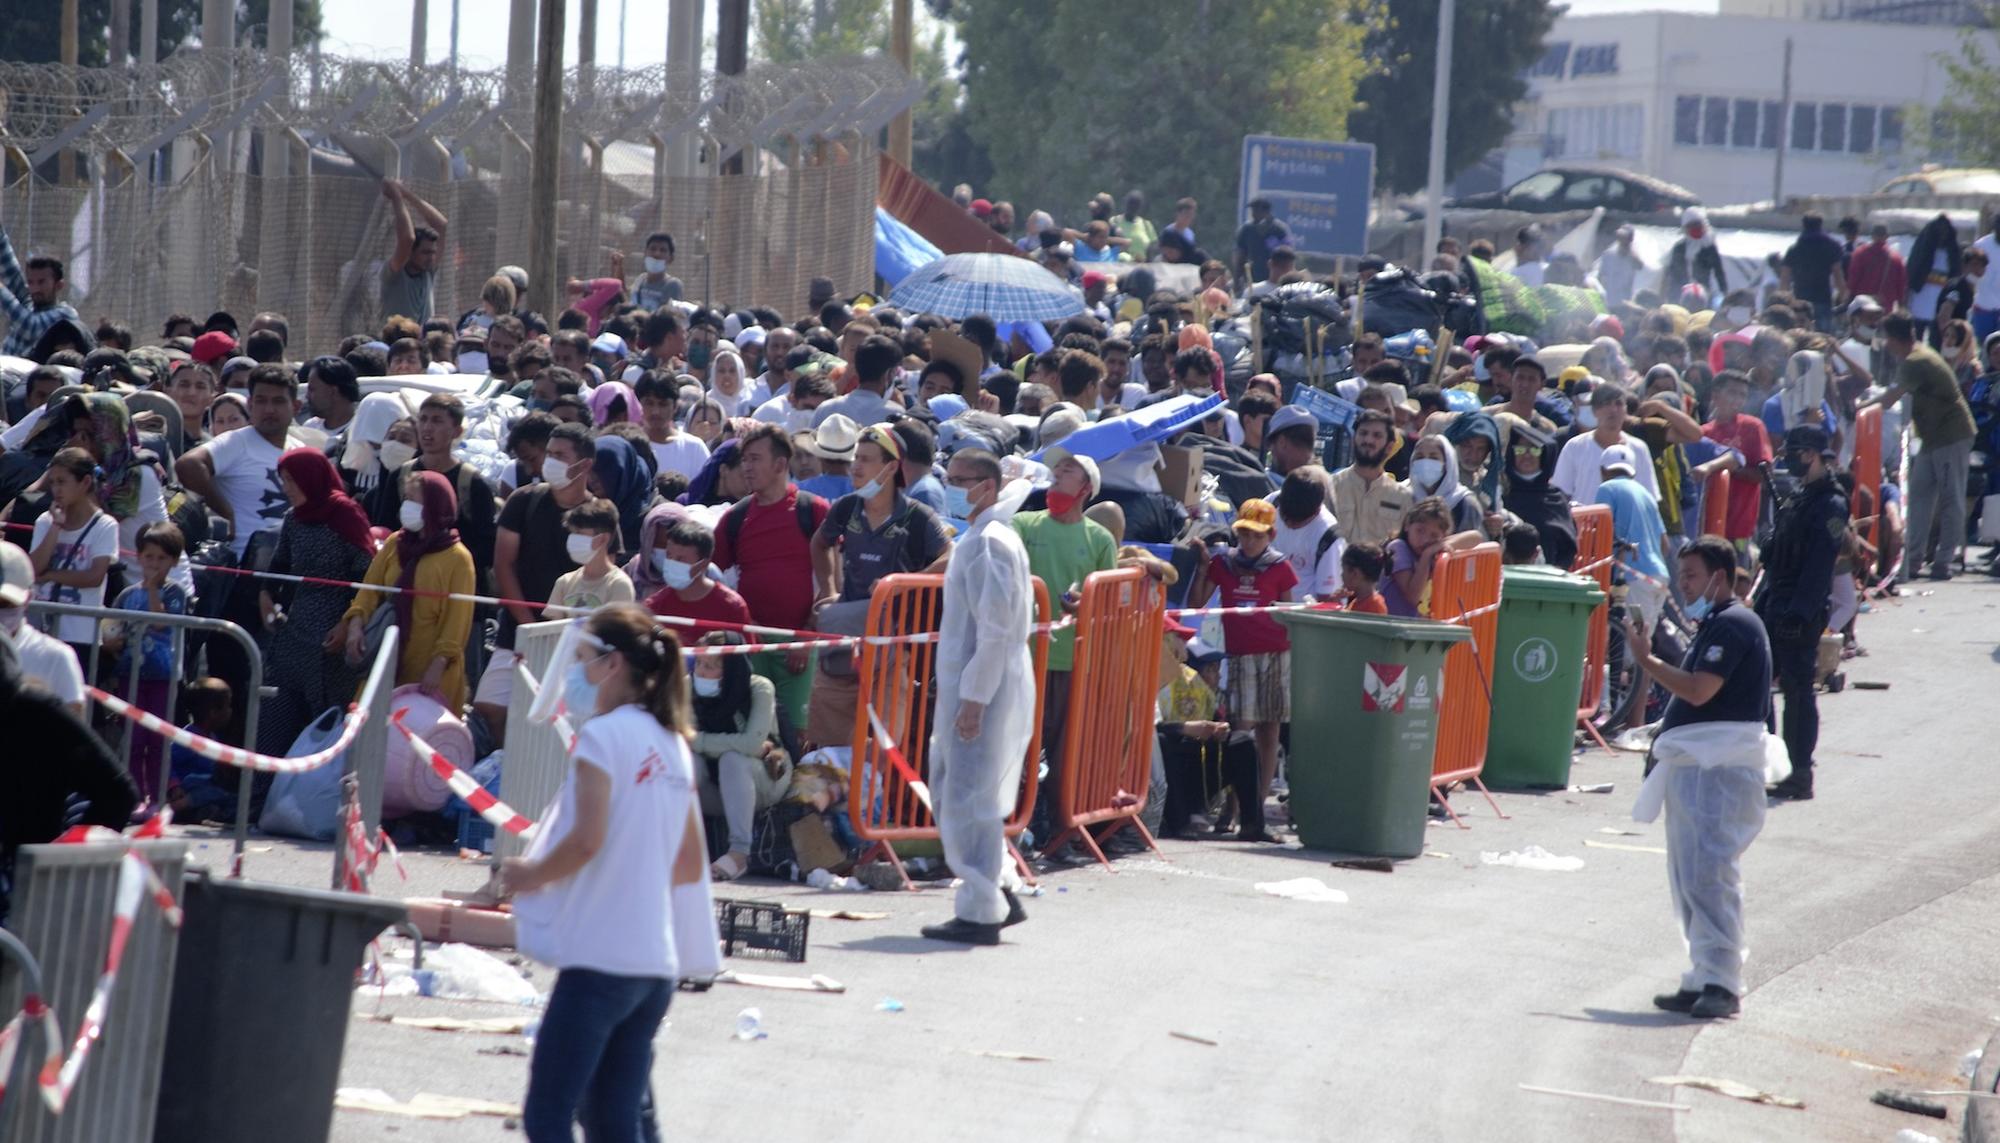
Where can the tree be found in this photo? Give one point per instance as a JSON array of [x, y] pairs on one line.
[[1493, 44], [1967, 122], [32, 29], [1070, 99]]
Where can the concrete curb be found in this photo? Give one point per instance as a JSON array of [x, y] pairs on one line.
[[1982, 1116]]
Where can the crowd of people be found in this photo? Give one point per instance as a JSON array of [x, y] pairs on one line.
[[664, 465]]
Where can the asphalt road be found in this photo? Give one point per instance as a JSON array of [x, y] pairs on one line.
[[1413, 1011]]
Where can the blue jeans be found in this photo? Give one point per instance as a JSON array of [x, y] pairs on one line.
[[592, 1056]]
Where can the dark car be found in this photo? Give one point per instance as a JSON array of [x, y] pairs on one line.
[[1579, 188]]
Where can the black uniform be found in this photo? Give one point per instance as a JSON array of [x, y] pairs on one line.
[[1792, 601]]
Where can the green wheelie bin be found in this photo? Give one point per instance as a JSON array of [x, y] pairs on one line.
[[1538, 662], [1365, 697]]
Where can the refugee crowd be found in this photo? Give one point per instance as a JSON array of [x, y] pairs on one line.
[[641, 455]]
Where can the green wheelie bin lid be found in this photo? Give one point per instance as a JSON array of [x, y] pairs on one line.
[[1539, 583]]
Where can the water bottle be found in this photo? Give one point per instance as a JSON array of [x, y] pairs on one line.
[[750, 1024]]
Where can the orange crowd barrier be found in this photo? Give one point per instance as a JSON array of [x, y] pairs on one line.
[[1465, 587], [1108, 745], [1593, 558], [1715, 505], [896, 681], [1868, 472]]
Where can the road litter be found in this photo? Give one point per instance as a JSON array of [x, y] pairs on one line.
[[1626, 848], [1017, 1057], [1922, 1102], [1968, 1064], [1595, 1097], [492, 1025], [1868, 1067], [826, 879], [1730, 1088], [1868, 685], [814, 983], [847, 915], [1303, 889], [502, 1050], [888, 1004], [1436, 854], [1637, 740], [1191, 1038], [1614, 831], [1533, 857], [458, 972], [1910, 1135], [423, 1105], [1595, 788], [1367, 864], [750, 1024]]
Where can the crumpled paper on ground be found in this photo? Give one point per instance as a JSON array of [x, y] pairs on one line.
[[1533, 857], [1303, 889]]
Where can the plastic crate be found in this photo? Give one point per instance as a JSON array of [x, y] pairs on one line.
[[476, 833], [759, 929]]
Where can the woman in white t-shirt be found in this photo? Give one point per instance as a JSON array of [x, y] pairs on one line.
[[73, 546], [613, 891]]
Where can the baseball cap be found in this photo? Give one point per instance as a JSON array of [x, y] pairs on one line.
[[1618, 457], [17, 576], [1803, 438], [1095, 278], [213, 346], [1863, 302], [1284, 254], [982, 207], [1262, 201], [1290, 416], [1200, 654], [608, 343], [1256, 516]]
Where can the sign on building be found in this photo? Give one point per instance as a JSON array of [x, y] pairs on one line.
[[1320, 190]]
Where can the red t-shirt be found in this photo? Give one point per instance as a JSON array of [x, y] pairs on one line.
[[774, 556], [1746, 436], [1244, 587], [720, 605]]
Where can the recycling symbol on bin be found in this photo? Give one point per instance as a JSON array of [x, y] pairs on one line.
[[1535, 659]]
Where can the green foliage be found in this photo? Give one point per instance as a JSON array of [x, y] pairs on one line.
[[1069, 99], [1493, 44], [31, 30], [1967, 121]]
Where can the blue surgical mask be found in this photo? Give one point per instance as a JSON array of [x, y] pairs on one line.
[[579, 693], [869, 490], [707, 687], [1699, 608], [540, 405], [957, 503], [674, 573]]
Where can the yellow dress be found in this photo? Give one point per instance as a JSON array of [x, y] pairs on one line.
[[439, 627]]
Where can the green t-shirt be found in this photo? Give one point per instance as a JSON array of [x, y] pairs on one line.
[[1938, 410], [1064, 554]]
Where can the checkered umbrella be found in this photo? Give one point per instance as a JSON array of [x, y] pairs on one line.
[[1001, 286]]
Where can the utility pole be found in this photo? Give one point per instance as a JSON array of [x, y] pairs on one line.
[[586, 47], [1440, 123], [902, 37], [544, 291], [454, 43], [278, 47], [66, 165], [732, 53], [218, 25], [1784, 127], [121, 33], [149, 32], [420, 32], [684, 78], [621, 35]]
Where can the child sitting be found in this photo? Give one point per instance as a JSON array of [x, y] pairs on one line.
[[1360, 576], [194, 794], [593, 528], [148, 648]]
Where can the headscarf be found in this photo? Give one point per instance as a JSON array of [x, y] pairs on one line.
[[627, 483], [742, 372], [365, 434], [701, 490], [1480, 424], [440, 532], [327, 501], [639, 569], [1545, 507], [116, 444], [1937, 234], [1448, 488], [1614, 368], [605, 395]]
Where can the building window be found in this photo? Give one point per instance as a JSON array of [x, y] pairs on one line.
[[1833, 127], [1554, 61], [1595, 59], [1892, 130], [1595, 132], [1715, 122], [1687, 120], [1773, 122], [1861, 130], [1805, 126], [1743, 127]]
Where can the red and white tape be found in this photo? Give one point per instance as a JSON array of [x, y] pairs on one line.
[[466, 786], [235, 755]]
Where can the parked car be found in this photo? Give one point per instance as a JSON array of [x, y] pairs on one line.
[[1556, 189], [1945, 180]]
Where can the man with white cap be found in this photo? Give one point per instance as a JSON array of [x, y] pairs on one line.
[[1639, 530], [46, 661], [833, 443]]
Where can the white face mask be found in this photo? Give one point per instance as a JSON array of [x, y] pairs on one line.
[[656, 265], [412, 515], [707, 687], [554, 471], [472, 362], [1737, 315], [1427, 473], [581, 548], [395, 454], [871, 489], [676, 574], [1586, 416], [483, 321]]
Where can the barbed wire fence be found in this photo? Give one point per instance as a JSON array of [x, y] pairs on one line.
[[237, 180]]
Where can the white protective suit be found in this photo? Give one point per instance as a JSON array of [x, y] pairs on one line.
[[983, 655], [1710, 777]]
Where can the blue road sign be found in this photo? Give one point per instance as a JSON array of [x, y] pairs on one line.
[[1320, 189]]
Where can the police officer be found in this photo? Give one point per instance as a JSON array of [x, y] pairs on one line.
[[1792, 599]]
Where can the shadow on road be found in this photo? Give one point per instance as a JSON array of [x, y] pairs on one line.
[[902, 946], [1645, 1019]]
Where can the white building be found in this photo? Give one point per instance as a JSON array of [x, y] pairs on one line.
[[1695, 99]]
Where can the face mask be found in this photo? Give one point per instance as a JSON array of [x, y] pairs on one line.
[[412, 515], [1586, 416], [656, 265], [10, 619], [395, 454], [707, 687], [579, 693], [1798, 462], [1737, 315], [698, 356], [472, 362], [957, 503], [871, 489], [581, 548], [540, 404], [1700, 608], [1061, 502], [676, 574], [483, 321], [1427, 472], [556, 472], [1865, 334]]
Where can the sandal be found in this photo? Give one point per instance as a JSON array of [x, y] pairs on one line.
[[728, 867]]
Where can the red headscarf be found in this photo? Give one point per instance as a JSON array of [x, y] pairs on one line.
[[440, 514], [327, 501]]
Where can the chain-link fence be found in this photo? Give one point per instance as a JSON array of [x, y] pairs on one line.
[[236, 181]]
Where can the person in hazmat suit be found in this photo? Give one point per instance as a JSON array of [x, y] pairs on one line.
[[985, 695], [1708, 768]]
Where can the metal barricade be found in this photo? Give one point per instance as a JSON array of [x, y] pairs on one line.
[[63, 913], [896, 683], [1113, 703], [1465, 588], [1593, 558], [1715, 505], [367, 757], [537, 758], [255, 686], [1868, 472]]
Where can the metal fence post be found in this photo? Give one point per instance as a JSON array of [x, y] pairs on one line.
[[367, 755]]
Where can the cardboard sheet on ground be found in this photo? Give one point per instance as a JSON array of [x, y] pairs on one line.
[[423, 1105], [1303, 889], [815, 983], [1730, 1088], [495, 1025]]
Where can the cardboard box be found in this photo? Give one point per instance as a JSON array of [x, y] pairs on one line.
[[1180, 470]]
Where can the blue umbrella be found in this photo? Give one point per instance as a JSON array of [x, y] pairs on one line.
[[1001, 286]]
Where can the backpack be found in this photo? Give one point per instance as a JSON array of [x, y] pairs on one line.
[[732, 519]]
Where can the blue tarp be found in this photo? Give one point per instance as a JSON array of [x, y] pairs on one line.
[[900, 251]]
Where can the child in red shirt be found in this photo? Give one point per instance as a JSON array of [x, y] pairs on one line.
[[1360, 572]]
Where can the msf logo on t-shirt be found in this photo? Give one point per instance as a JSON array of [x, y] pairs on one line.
[[650, 768]]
